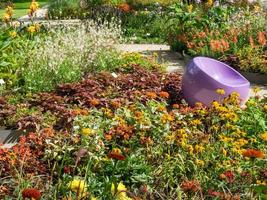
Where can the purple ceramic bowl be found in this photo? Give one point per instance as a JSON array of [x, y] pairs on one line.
[[203, 76]]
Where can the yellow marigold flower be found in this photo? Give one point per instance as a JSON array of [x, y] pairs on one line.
[[86, 131], [190, 149], [224, 152], [6, 18], [13, 34], [9, 11], [200, 163], [215, 104], [265, 107], [257, 8], [209, 3], [220, 91], [259, 182], [78, 186], [37, 27], [167, 117], [196, 122], [256, 89], [31, 29], [199, 148], [264, 136], [121, 191], [190, 8], [33, 8]]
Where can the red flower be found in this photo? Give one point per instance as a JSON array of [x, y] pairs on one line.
[[230, 176], [252, 153], [31, 193], [214, 193]]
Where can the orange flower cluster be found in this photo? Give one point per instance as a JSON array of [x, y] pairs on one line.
[[164, 94], [252, 153], [219, 45], [151, 95], [125, 7], [190, 186], [94, 102], [122, 131], [262, 38], [116, 154]]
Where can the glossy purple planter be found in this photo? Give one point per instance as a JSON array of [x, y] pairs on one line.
[[203, 76]]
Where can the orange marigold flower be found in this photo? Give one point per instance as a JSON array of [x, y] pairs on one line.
[[252, 153], [190, 186], [251, 42], [125, 7], [225, 45], [108, 136], [235, 39], [94, 102], [116, 154], [31, 193], [164, 94], [175, 106], [115, 104], [151, 95], [261, 38], [215, 45]]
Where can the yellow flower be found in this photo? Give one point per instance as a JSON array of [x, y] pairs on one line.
[[215, 104], [256, 89], [259, 182], [265, 107], [190, 149], [257, 8], [120, 193], [264, 136], [93, 198], [31, 29], [190, 8], [209, 3], [86, 131], [167, 117], [9, 11], [6, 18], [196, 122], [37, 27], [33, 8], [220, 91], [200, 163], [13, 34], [224, 152], [199, 148], [78, 186]]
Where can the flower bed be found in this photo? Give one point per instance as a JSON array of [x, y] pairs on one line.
[[234, 35], [129, 136]]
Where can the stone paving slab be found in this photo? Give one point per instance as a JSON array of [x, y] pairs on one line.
[[174, 60]]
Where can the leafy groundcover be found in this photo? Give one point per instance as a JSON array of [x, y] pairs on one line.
[[129, 135]]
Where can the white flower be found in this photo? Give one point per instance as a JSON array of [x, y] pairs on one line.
[[114, 75], [2, 82]]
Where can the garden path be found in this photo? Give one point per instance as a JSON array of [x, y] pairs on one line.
[[39, 15], [174, 60]]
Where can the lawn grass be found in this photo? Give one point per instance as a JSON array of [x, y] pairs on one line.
[[21, 7]]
